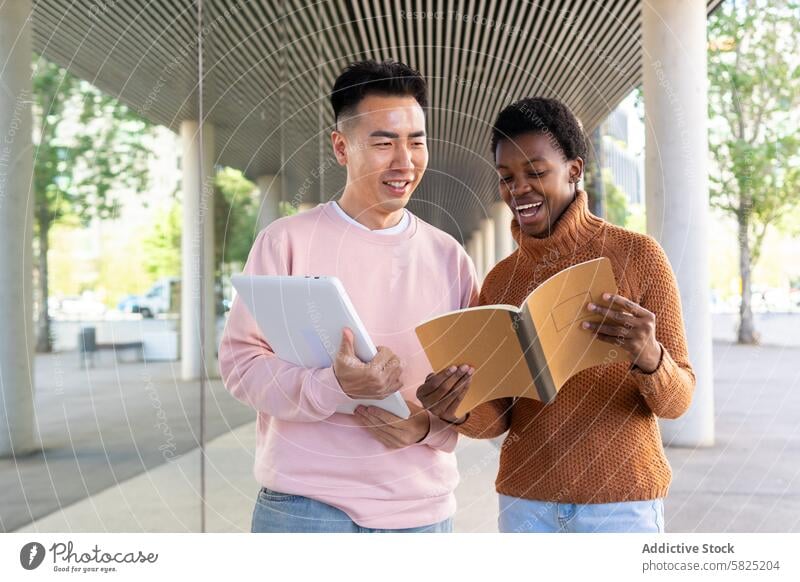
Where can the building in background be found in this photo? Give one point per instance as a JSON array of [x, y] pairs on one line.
[[623, 149]]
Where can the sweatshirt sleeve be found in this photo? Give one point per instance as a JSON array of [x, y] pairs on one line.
[[490, 419], [250, 370], [442, 435], [669, 388]]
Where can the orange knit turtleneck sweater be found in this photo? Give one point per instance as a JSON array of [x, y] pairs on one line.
[[598, 441]]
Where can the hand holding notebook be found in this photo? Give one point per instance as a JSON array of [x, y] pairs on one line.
[[528, 351]]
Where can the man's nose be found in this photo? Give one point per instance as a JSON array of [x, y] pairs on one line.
[[402, 158]]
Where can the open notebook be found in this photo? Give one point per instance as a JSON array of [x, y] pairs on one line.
[[528, 351]]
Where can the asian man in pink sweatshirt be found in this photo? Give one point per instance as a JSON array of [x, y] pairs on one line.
[[323, 471]]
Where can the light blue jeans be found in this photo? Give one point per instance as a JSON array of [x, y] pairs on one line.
[[277, 512], [529, 516]]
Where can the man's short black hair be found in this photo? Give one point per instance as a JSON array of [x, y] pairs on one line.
[[542, 115], [371, 77]]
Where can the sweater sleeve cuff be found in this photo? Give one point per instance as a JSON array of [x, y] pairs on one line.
[[472, 427], [326, 391], [659, 379], [441, 435]]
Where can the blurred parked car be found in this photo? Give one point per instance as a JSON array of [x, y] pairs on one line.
[[162, 297], [129, 304]]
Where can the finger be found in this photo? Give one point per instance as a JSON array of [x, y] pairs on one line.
[[368, 417], [609, 313], [396, 386], [456, 399], [392, 384], [448, 385], [608, 329], [346, 347], [392, 366], [623, 303], [383, 416], [414, 407], [383, 357], [394, 375], [446, 398], [362, 419], [376, 425], [433, 383]]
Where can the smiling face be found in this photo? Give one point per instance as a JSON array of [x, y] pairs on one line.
[[536, 181], [384, 148]]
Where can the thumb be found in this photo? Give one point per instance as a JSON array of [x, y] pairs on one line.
[[414, 407], [346, 348]]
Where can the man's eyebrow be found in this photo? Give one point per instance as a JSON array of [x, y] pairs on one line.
[[383, 133], [393, 135]]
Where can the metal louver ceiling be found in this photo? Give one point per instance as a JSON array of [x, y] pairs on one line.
[[268, 67]]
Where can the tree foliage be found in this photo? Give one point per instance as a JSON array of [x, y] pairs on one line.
[[754, 88], [89, 148]]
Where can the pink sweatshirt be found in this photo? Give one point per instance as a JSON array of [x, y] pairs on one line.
[[303, 447]]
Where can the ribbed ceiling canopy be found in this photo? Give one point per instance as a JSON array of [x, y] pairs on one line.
[[268, 67]]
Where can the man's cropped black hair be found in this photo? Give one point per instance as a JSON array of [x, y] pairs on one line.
[[371, 77], [542, 115]]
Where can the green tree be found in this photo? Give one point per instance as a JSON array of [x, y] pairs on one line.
[[235, 227], [88, 149], [616, 201], [162, 245], [235, 217], [754, 83]]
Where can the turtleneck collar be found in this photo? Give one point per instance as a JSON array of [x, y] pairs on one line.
[[573, 229]]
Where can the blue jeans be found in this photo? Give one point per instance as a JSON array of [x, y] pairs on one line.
[[277, 512], [529, 516]]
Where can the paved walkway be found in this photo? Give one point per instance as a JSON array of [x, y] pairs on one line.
[[105, 466], [100, 427], [167, 499]]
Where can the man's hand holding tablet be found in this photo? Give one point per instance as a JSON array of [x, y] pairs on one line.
[[366, 380], [375, 380]]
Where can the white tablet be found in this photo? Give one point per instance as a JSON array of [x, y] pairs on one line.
[[302, 319]]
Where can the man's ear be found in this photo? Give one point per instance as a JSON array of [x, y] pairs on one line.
[[339, 142]]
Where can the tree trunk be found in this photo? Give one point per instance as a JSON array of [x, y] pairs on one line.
[[747, 333], [44, 342]]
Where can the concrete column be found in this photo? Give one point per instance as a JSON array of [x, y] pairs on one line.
[[16, 226], [476, 242], [503, 241], [470, 248], [269, 188], [198, 229], [676, 187], [487, 234]]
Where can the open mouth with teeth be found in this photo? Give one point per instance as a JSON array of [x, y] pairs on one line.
[[528, 212], [397, 187]]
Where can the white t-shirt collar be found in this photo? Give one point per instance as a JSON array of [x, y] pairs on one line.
[[396, 229]]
